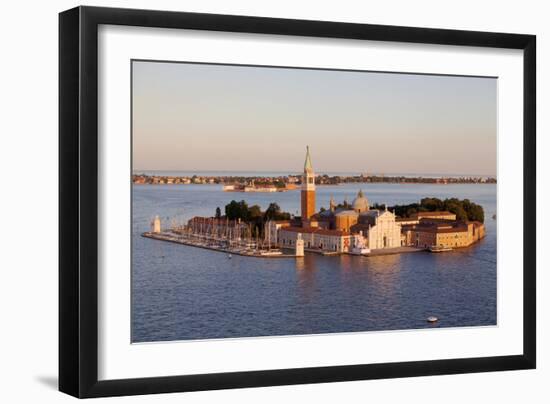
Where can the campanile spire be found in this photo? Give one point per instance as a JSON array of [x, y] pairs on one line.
[[307, 165], [308, 189]]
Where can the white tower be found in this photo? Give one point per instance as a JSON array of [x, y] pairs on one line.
[[299, 245], [155, 225]]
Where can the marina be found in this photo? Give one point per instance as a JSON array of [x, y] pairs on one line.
[[244, 249]]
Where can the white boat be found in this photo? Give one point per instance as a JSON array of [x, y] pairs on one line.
[[360, 251], [432, 319], [273, 252], [439, 249]]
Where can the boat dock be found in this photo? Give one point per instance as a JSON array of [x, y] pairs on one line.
[[214, 246]]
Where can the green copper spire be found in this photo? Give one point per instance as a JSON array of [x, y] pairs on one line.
[[307, 164]]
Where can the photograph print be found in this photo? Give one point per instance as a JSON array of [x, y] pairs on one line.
[[278, 201]]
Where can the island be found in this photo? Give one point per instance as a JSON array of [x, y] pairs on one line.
[[355, 228]]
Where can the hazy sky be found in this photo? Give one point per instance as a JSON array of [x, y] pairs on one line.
[[209, 117]]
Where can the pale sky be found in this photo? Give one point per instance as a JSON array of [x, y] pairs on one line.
[[196, 117]]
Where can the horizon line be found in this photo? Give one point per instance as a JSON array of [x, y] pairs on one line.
[[317, 172]]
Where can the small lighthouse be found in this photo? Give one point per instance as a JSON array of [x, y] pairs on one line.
[[299, 245], [155, 225]]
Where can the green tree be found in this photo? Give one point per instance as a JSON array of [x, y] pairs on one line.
[[463, 209], [236, 210], [272, 211], [254, 212]]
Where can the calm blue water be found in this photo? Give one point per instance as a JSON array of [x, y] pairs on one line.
[[181, 293]]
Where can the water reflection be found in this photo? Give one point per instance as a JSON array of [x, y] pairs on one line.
[[384, 278], [306, 275], [300, 263]]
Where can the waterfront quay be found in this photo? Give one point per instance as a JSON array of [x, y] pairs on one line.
[[250, 250], [218, 244]]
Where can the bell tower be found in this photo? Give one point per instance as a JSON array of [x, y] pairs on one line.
[[308, 190]]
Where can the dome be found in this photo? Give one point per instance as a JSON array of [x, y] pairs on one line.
[[360, 204]]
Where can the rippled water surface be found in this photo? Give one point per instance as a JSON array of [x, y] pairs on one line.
[[181, 293]]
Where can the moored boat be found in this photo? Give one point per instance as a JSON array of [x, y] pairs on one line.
[[439, 249], [360, 251], [272, 252]]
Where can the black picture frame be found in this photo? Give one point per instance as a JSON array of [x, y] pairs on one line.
[[78, 201]]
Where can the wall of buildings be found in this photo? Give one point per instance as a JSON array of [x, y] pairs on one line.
[[454, 235], [434, 215], [316, 239]]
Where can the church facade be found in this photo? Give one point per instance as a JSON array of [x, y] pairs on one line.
[[381, 229]]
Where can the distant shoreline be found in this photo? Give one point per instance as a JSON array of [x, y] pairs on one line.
[[266, 174], [284, 181]]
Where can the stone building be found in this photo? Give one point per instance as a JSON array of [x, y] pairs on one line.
[[316, 238], [272, 228], [345, 219], [434, 215], [448, 234]]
